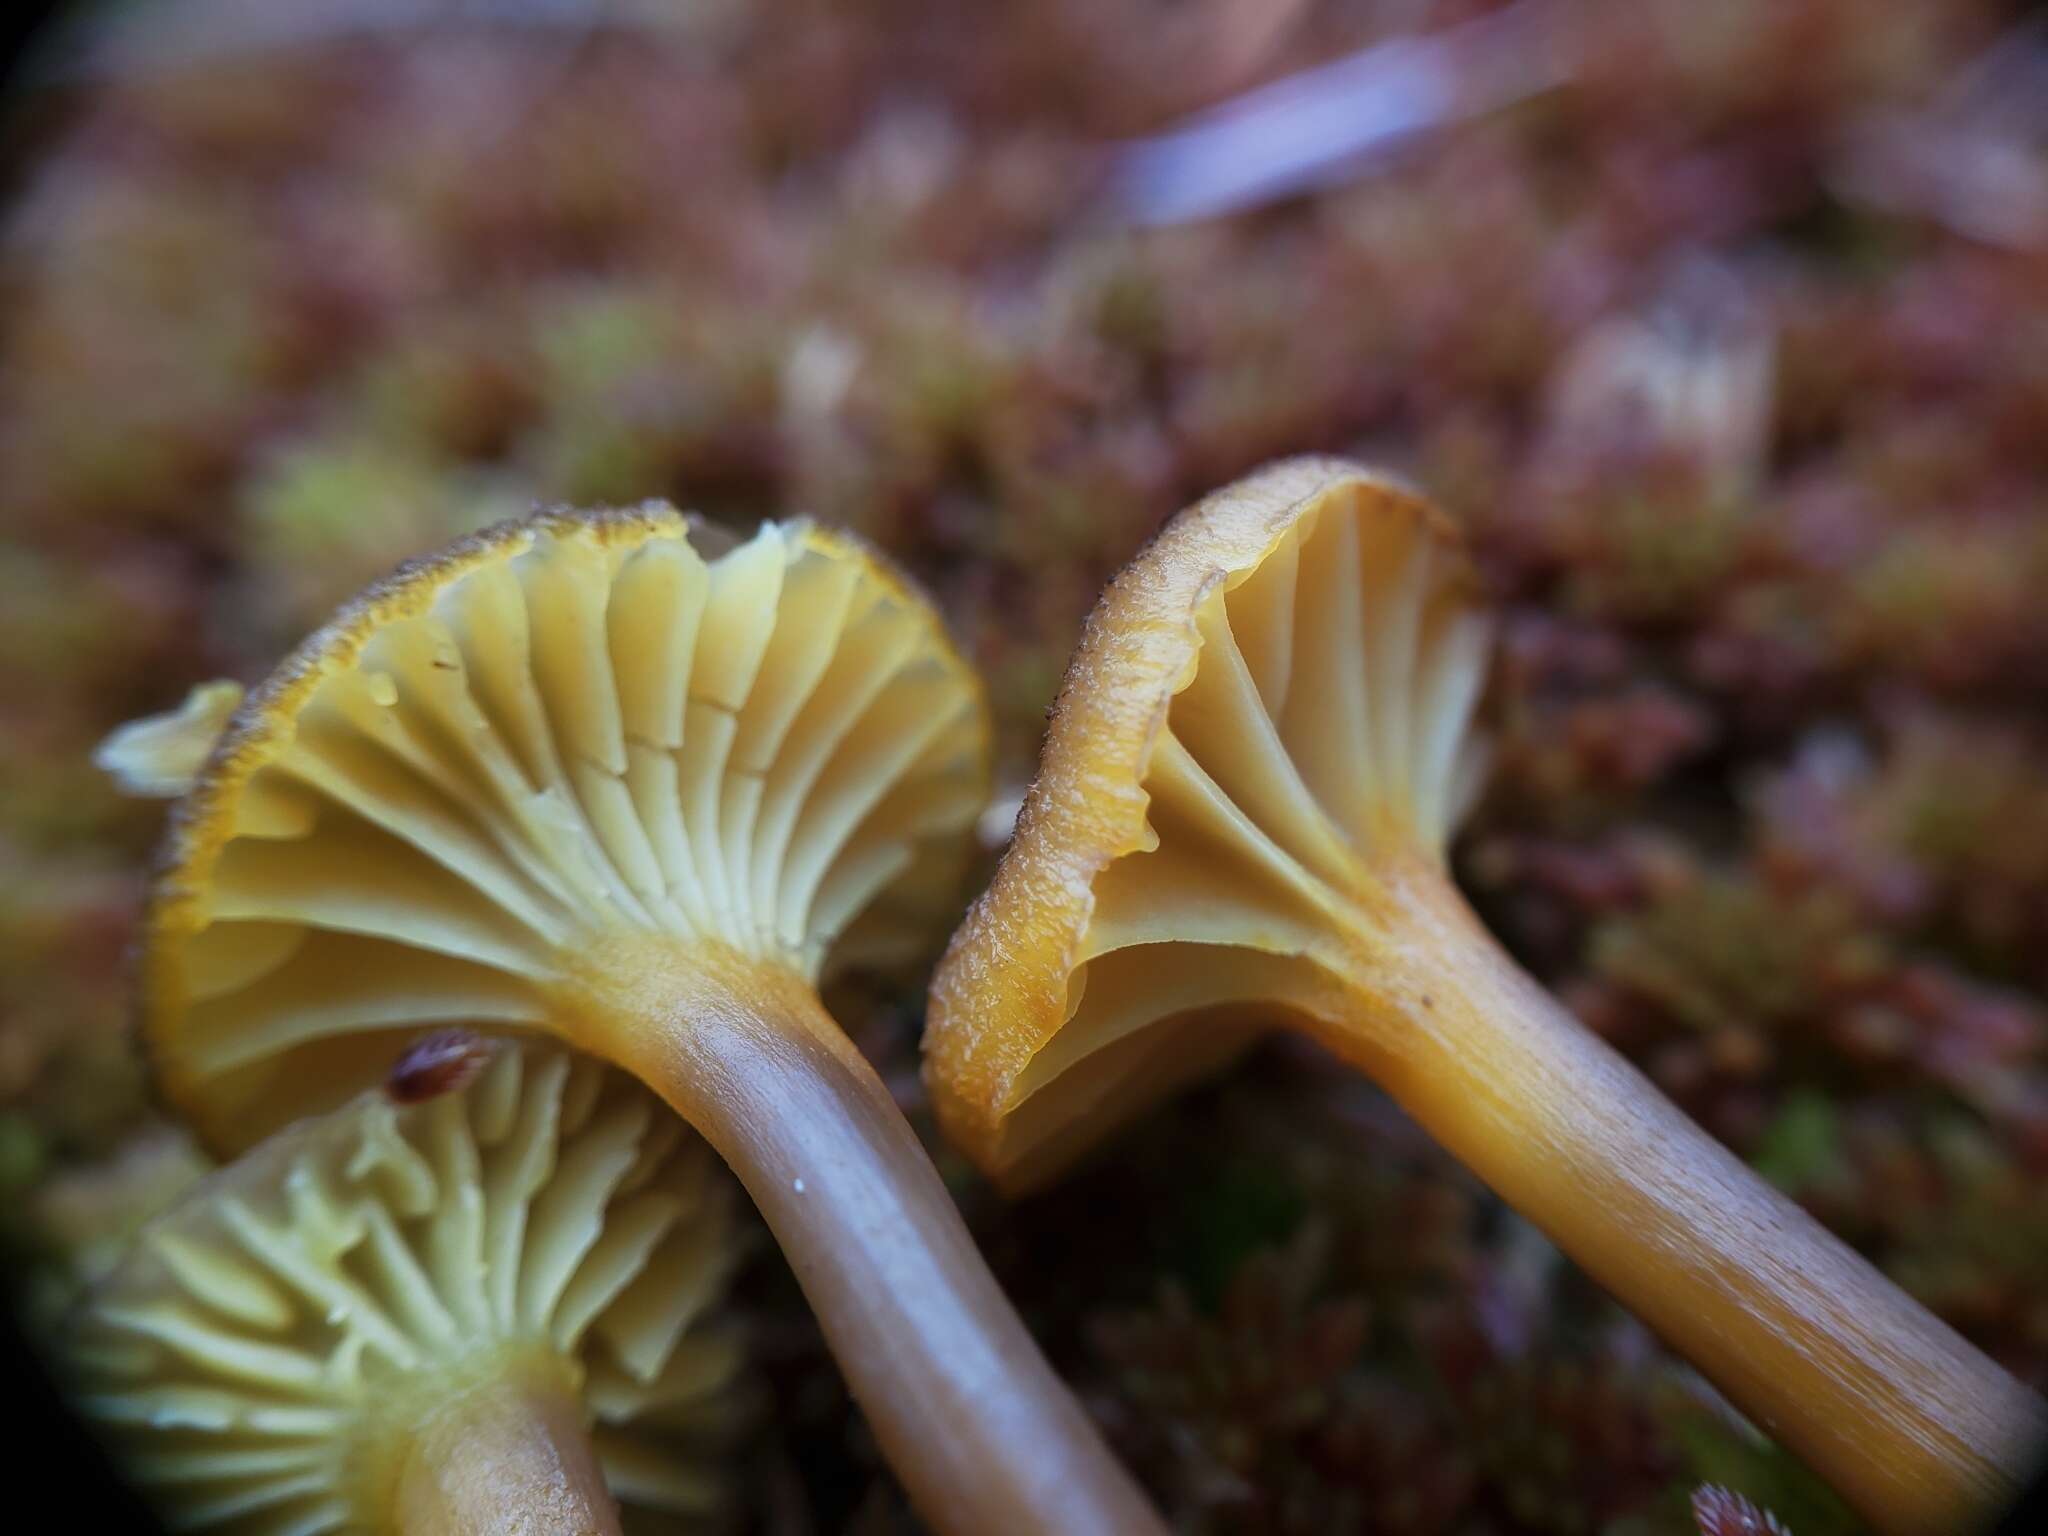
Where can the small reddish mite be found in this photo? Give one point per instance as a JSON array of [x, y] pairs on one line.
[[436, 1064]]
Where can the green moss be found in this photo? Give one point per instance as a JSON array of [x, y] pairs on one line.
[[1657, 560], [326, 517], [1726, 951], [1738, 1458], [1802, 1145]]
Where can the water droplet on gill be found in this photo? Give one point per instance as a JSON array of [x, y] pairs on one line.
[[383, 688]]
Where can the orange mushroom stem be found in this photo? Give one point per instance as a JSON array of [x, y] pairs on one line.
[[1240, 824]]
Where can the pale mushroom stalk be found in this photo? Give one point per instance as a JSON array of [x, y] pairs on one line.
[[511, 1455], [580, 776], [448, 1307], [963, 1403], [1240, 824]]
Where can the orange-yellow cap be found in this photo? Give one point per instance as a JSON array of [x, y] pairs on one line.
[[558, 731], [1268, 703]]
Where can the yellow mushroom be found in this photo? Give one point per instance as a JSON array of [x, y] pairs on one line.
[[481, 1310], [158, 756], [1240, 823], [590, 776]]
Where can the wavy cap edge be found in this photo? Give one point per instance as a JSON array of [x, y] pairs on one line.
[[999, 994]]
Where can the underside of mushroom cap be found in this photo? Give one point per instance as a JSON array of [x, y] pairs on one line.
[[272, 1339], [1268, 710], [561, 730]]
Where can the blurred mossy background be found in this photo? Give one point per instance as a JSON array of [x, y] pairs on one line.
[[1730, 352]]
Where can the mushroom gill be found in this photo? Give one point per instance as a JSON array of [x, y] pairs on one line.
[[552, 734], [1314, 737], [275, 1346]]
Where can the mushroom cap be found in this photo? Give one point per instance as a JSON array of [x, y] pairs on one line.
[[1268, 710], [158, 756], [558, 730], [270, 1338]]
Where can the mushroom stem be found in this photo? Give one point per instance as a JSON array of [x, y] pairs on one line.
[[510, 1455], [984, 1436], [1918, 1429]]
